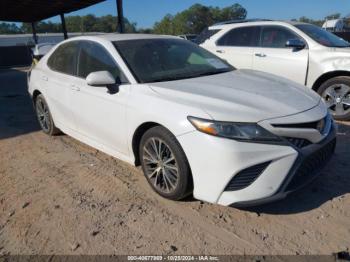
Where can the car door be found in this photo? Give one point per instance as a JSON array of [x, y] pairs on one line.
[[237, 46], [274, 57], [100, 115], [58, 81]]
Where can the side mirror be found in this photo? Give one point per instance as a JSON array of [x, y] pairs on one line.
[[296, 43], [103, 79]]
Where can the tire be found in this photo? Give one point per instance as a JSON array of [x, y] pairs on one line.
[[336, 94], [44, 116], [164, 181]]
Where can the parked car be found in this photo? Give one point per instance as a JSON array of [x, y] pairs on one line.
[[39, 50], [300, 52], [192, 121], [189, 37]]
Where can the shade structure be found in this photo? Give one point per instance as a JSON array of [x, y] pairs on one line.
[[35, 10]]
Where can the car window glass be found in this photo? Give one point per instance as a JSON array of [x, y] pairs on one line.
[[243, 36], [154, 60], [63, 59], [276, 36], [93, 58]]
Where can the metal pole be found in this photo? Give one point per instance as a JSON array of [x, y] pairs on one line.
[[64, 29], [120, 27], [35, 37]]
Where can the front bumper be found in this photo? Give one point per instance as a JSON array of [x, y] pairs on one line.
[[215, 161], [307, 167]]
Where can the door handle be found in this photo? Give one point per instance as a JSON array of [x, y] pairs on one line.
[[44, 78], [220, 51], [75, 88], [260, 55]]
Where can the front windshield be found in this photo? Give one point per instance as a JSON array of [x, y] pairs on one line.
[[157, 60], [322, 36]]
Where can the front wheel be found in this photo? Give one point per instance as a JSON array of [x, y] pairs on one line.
[[164, 164], [336, 94]]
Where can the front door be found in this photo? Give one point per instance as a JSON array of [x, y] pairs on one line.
[[272, 56], [100, 115]]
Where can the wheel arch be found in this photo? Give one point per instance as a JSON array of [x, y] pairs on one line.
[[323, 78], [35, 94], [136, 139]]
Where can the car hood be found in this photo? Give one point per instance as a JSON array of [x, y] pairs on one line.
[[240, 95]]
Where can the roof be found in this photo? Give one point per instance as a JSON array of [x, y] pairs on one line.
[[242, 21], [255, 22], [120, 37], [36, 10]]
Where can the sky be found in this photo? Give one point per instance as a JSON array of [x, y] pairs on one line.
[[146, 12]]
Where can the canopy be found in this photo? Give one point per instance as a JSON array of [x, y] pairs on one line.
[[36, 10]]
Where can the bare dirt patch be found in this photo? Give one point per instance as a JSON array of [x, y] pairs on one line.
[[58, 196]]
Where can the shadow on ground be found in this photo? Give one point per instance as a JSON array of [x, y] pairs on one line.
[[16, 111], [333, 182]]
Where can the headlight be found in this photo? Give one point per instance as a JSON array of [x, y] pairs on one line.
[[249, 132]]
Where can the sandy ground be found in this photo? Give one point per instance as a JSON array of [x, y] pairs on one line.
[[58, 196]]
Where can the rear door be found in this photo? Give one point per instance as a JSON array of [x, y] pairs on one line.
[[237, 46], [274, 57], [58, 82]]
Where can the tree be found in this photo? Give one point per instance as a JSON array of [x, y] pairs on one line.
[[333, 16], [9, 28], [311, 21], [194, 19], [87, 23]]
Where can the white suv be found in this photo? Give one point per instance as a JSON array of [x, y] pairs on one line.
[[301, 52]]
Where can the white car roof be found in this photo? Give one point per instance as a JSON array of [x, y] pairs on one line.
[[120, 37], [255, 23]]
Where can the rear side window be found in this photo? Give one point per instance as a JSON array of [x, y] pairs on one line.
[[64, 58], [276, 36], [243, 36], [205, 35], [94, 57]]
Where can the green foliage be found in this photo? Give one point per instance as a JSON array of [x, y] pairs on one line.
[[7, 28], [333, 16], [194, 19], [87, 23], [311, 21]]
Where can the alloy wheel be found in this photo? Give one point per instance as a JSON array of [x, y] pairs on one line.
[[43, 115], [337, 99], [161, 166]]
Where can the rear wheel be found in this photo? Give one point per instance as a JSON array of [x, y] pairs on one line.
[[336, 94], [164, 164], [44, 116]]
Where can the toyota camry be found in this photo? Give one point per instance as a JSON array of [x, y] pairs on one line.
[[192, 121]]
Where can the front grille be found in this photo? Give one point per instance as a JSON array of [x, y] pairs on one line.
[[246, 177], [299, 142], [311, 166], [299, 125]]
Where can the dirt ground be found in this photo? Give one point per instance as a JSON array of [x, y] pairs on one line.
[[58, 196]]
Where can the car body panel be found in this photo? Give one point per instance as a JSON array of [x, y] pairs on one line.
[[303, 66]]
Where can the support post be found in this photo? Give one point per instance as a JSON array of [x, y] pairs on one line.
[[120, 27], [64, 29], [35, 37]]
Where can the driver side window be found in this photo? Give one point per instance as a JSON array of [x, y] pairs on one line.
[[276, 36], [93, 57]]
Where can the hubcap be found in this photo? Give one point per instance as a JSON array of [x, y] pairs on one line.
[[337, 98], [160, 165], [43, 115]]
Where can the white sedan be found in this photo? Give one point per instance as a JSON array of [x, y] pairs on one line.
[[193, 122]]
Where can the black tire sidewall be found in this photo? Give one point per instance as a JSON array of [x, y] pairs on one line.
[[184, 186], [52, 129], [334, 81]]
